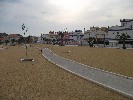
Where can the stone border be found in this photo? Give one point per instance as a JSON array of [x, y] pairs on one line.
[[3, 48], [103, 85], [27, 60]]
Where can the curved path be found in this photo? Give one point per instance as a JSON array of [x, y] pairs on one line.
[[118, 83]]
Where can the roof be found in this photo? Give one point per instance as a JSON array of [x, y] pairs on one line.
[[3, 39], [126, 20], [3, 34], [14, 35]]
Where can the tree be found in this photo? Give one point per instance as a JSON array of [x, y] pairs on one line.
[[91, 40], [12, 41], [61, 35], [21, 40], [24, 30], [53, 41], [28, 39], [123, 37], [7, 41]]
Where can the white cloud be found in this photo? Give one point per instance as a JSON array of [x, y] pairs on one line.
[[46, 15]]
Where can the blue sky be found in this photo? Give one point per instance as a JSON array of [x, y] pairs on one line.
[[42, 16]]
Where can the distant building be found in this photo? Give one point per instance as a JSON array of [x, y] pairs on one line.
[[69, 38], [48, 38], [34, 39], [3, 34], [96, 32], [126, 28], [3, 37], [97, 35], [76, 37], [109, 36], [14, 36]]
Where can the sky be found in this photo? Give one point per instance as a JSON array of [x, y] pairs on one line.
[[42, 16]]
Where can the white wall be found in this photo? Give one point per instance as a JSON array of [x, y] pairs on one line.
[[77, 36], [114, 30], [113, 34]]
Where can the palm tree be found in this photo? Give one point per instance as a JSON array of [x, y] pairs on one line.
[[91, 39], [61, 35], [123, 37]]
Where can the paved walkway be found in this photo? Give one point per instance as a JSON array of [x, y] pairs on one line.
[[121, 84]]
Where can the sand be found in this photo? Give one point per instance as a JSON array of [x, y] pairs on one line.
[[42, 80]]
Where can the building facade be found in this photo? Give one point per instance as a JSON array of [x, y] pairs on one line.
[[109, 35], [48, 38], [126, 27], [76, 37], [95, 35], [99, 36]]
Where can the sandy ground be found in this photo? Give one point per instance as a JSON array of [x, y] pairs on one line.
[[114, 60], [41, 80]]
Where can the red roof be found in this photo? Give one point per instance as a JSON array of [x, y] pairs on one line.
[[14, 35], [2, 39]]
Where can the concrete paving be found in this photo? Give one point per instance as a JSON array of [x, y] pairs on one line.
[[118, 83]]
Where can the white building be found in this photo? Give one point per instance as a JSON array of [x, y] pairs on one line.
[[76, 37], [126, 28], [110, 34], [95, 32], [47, 38]]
